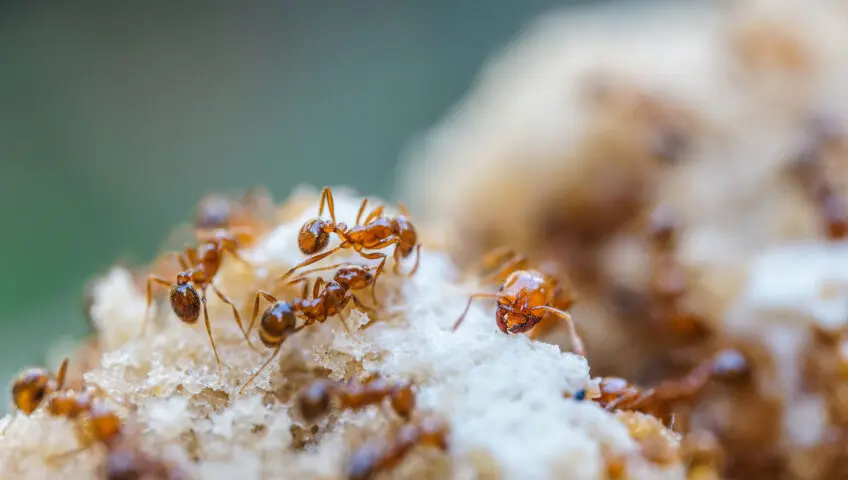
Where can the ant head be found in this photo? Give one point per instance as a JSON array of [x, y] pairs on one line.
[[314, 236], [30, 388], [314, 401], [405, 231], [277, 323], [104, 423], [354, 277], [185, 301]]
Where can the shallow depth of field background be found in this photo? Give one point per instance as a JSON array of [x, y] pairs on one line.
[[115, 119]]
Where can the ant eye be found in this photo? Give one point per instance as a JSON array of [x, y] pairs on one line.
[[580, 395]]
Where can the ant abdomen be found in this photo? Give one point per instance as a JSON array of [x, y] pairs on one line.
[[276, 324], [30, 388], [185, 301], [313, 236], [314, 402]]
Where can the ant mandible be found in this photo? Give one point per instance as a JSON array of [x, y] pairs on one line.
[[314, 401], [374, 457], [375, 233], [525, 297], [279, 321], [200, 264]]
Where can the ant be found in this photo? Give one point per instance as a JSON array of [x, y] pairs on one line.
[[32, 386], [810, 173], [375, 233], [619, 394], [497, 264], [668, 276], [523, 300], [279, 320], [124, 462], [374, 457], [314, 401], [200, 264], [240, 215]]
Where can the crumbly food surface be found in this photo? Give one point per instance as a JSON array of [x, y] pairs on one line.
[[503, 396]]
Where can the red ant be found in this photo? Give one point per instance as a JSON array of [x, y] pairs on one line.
[[279, 320], [811, 174], [523, 300], [374, 457], [314, 401], [243, 216], [200, 264], [668, 276], [619, 394], [377, 232], [32, 386]]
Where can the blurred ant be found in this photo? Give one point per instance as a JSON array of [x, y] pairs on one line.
[[808, 169], [619, 394], [314, 401], [126, 462], [244, 216], [200, 264], [525, 297], [377, 232], [668, 277], [32, 386], [279, 320], [375, 457]]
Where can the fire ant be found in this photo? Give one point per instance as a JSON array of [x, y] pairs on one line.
[[314, 401], [619, 394], [810, 173], [32, 386], [668, 277], [375, 233], [243, 216], [374, 457], [524, 298], [279, 320], [200, 264]]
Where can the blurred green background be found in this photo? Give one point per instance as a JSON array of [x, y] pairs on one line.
[[117, 117]]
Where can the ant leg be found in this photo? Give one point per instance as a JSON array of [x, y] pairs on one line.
[[264, 365], [267, 296], [305, 281], [576, 341], [236, 315], [212, 340], [497, 264], [311, 260], [622, 401], [151, 279], [361, 210], [377, 272], [319, 269], [61, 374], [417, 260], [359, 305], [316, 288], [468, 305], [327, 195], [343, 321], [237, 256], [375, 214], [191, 257], [403, 210]]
